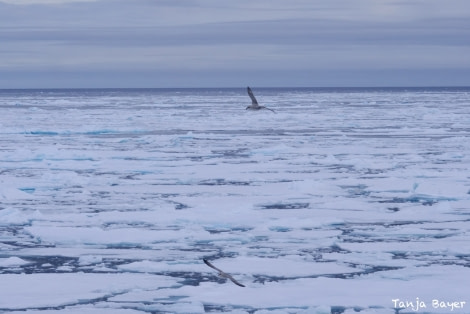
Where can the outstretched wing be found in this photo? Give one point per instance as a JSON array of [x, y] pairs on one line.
[[235, 282], [222, 273], [254, 102], [268, 109], [211, 266]]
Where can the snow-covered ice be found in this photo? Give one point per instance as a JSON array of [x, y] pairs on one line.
[[345, 201]]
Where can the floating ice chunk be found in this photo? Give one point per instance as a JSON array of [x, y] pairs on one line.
[[98, 236], [65, 268], [12, 261], [441, 187], [85, 260], [55, 290], [314, 187], [373, 310], [13, 194], [311, 310], [152, 266], [291, 266], [273, 150], [15, 216], [322, 309]]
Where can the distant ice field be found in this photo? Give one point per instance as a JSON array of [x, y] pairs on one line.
[[343, 201]]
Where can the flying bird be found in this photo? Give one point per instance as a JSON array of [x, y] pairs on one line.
[[222, 273], [254, 103]]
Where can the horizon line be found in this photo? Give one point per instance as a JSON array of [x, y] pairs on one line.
[[236, 87]]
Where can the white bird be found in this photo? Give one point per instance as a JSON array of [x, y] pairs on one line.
[[254, 103], [222, 273]]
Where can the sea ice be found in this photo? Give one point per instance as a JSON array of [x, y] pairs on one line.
[[342, 202]]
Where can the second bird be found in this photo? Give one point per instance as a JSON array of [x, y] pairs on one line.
[[254, 103]]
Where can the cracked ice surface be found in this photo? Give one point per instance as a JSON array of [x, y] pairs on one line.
[[341, 202]]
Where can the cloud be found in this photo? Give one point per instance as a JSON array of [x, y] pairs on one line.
[[30, 2], [209, 39]]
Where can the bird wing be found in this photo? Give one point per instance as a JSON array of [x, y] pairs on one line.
[[254, 102], [211, 266], [224, 274], [269, 109], [234, 281]]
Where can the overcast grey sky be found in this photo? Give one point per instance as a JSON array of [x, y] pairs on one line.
[[215, 43]]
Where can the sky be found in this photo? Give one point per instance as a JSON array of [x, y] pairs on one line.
[[214, 43]]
